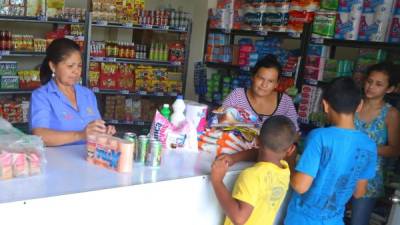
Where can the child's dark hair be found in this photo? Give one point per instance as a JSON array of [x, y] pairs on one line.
[[277, 133], [268, 61], [387, 68], [343, 95], [56, 52]]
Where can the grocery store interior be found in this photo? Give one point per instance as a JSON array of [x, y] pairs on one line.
[[139, 58]]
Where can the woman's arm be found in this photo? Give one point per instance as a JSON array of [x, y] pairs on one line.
[[392, 149], [55, 138]]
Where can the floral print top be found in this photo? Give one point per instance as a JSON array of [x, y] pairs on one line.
[[378, 132]]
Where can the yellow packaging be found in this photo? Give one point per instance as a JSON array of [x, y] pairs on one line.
[[174, 86], [35, 7], [54, 7], [144, 73], [160, 73]]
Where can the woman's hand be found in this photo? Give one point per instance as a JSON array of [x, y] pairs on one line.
[[111, 130], [95, 127]]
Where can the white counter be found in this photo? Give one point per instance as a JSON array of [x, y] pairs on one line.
[[178, 192]]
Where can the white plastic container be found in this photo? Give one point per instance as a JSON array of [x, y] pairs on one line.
[[178, 115]]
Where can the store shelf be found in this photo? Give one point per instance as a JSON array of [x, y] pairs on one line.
[[31, 19], [136, 61], [288, 35], [106, 24], [139, 93], [14, 91], [134, 123], [222, 65], [362, 44], [21, 53]]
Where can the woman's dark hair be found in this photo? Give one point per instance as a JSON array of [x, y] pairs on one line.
[[269, 61], [387, 68], [56, 52]]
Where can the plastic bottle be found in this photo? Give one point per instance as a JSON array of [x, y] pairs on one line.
[[166, 112], [179, 108]]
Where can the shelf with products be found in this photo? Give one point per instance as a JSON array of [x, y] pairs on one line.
[[40, 19], [153, 65], [362, 44], [135, 61]]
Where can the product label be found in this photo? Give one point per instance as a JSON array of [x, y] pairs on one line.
[[394, 35], [370, 5], [110, 156]]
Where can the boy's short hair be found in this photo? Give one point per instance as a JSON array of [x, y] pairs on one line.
[[343, 95], [277, 133]]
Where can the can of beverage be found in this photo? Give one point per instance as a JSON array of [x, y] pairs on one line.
[[131, 137], [153, 156], [140, 154]]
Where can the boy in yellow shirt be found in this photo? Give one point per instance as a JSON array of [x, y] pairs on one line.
[[260, 189]]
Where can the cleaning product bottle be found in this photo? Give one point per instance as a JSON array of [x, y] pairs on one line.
[[179, 108], [166, 112]]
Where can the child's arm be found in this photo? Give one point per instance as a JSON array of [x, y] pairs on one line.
[[301, 182], [237, 211], [361, 189], [248, 155]]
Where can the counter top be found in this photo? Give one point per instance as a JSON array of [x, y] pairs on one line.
[[68, 172]]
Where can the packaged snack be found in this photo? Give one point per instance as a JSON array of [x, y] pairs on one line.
[[20, 155], [324, 24]]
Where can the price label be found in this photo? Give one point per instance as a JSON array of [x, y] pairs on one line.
[[318, 40], [159, 94], [102, 23], [142, 93], [114, 121], [173, 94], [110, 59], [96, 90], [74, 20], [147, 26], [262, 33], [176, 63], [140, 123], [294, 34], [42, 18], [245, 68], [182, 28], [125, 92], [4, 52], [129, 25], [164, 27], [98, 59]]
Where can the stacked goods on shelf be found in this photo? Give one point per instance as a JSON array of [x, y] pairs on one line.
[[315, 61], [127, 77], [227, 15], [37, 8], [280, 16], [20, 155], [394, 30], [218, 49], [133, 12], [358, 20], [29, 79], [14, 111], [8, 75], [28, 43], [301, 12], [112, 76], [157, 79], [158, 51], [126, 109]]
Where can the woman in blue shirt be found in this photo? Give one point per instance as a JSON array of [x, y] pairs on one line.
[[62, 111]]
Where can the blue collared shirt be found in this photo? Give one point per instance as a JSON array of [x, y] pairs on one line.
[[51, 109]]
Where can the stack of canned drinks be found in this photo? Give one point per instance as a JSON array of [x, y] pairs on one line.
[[147, 151]]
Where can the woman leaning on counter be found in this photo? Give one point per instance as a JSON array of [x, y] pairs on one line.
[[62, 111]]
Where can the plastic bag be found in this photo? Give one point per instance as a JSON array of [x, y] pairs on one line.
[[21, 155]]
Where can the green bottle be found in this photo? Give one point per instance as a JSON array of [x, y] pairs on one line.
[[166, 112]]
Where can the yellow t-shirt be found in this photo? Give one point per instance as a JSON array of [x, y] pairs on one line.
[[263, 186]]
